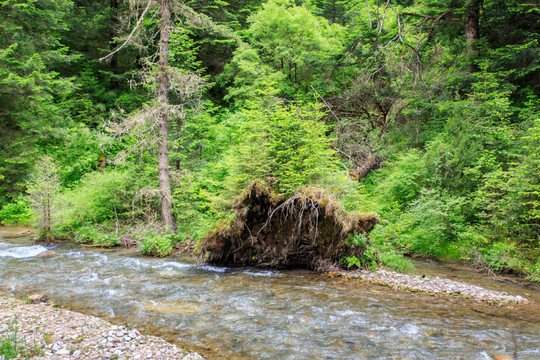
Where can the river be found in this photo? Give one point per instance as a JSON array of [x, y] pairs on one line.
[[228, 313]]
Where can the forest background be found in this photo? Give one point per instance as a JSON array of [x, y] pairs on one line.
[[425, 112]]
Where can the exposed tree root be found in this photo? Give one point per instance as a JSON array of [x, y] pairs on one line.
[[307, 230]]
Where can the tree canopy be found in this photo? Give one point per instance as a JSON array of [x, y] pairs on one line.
[[425, 112]]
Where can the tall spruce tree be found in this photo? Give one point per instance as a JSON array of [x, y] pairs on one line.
[[164, 80]]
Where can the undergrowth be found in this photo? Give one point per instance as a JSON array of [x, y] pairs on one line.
[[11, 346]]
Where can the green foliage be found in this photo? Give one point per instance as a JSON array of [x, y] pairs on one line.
[[368, 260], [29, 87], [8, 343], [401, 183], [333, 11], [394, 260], [431, 225], [8, 347], [100, 197], [357, 240], [286, 43], [502, 256], [12, 346], [510, 199], [376, 254], [17, 212], [43, 189], [79, 151], [351, 262], [93, 234], [156, 244], [283, 144], [457, 133], [192, 207]]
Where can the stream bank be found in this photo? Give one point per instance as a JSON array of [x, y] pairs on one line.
[[45, 332], [434, 284], [250, 313]]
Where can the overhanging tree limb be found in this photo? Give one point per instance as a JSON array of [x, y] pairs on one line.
[[131, 34], [435, 17]]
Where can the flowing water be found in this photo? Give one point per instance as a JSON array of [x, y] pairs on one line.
[[262, 314]]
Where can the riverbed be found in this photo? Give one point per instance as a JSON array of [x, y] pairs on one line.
[[231, 313]]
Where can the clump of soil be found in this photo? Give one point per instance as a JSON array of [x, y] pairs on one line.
[[307, 230]]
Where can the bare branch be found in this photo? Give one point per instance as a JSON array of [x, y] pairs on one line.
[[383, 16], [131, 34], [436, 17], [347, 156], [326, 104], [369, 16]]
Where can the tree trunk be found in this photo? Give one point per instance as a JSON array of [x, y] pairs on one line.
[[113, 5], [163, 151], [472, 30]]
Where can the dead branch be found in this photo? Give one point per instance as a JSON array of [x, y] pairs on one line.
[[347, 156], [369, 16], [131, 34], [437, 17], [326, 104]]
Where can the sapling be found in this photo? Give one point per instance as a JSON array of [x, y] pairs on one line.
[[43, 187]]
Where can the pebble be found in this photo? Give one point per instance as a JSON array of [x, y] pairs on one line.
[[62, 352], [74, 336], [435, 285]]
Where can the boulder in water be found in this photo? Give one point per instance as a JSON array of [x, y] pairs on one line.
[[38, 299]]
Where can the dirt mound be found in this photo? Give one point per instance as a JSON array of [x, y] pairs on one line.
[[307, 230]]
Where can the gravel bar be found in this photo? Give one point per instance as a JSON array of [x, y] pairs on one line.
[[434, 285], [46, 332]]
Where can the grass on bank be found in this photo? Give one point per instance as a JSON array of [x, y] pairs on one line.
[[11, 346]]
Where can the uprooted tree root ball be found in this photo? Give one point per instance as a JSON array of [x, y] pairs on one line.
[[307, 230]]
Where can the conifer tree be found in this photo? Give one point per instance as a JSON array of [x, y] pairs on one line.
[[43, 187], [164, 79]]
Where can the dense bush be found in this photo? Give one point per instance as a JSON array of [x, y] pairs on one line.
[[93, 234], [100, 197], [17, 212], [155, 243]]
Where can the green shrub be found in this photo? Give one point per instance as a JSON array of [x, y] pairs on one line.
[[8, 345], [283, 144], [8, 348], [534, 272], [509, 200], [100, 197], [502, 256], [156, 244], [369, 257], [374, 255], [352, 262], [430, 225], [400, 183], [394, 260], [92, 234], [357, 240], [17, 212]]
